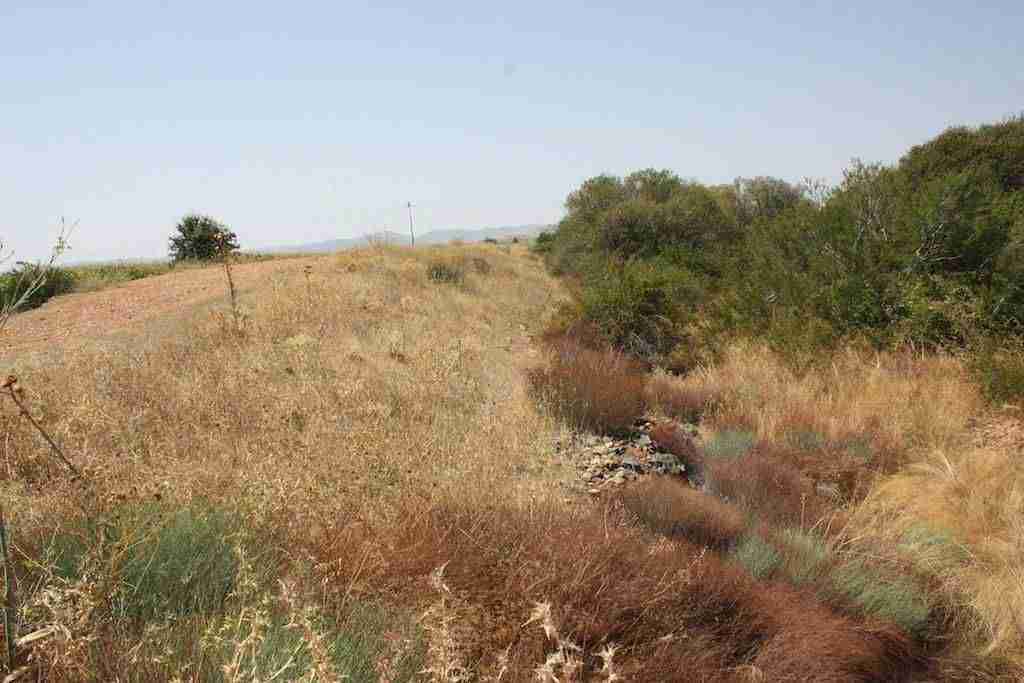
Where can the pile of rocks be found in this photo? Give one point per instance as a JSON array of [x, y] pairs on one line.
[[606, 462]]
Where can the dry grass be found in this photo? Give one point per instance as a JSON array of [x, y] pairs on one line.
[[958, 514], [917, 486], [767, 485], [670, 507], [675, 398], [369, 487], [858, 416], [363, 386]]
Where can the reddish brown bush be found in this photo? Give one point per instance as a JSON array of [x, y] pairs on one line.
[[676, 612], [602, 391], [667, 506], [817, 645], [762, 482]]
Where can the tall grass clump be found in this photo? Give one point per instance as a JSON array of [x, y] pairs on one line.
[[893, 598], [600, 391], [168, 560], [672, 508]]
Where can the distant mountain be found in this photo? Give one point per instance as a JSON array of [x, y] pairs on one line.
[[390, 237]]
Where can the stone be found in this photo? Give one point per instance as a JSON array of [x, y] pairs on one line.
[[664, 459], [829, 490], [618, 479], [630, 462]]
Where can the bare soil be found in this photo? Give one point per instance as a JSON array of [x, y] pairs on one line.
[[73, 319]]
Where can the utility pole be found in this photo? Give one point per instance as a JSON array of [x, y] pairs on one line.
[[412, 235]]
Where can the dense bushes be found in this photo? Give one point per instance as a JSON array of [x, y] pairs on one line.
[[926, 252], [16, 282]]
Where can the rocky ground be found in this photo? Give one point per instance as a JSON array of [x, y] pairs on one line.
[[604, 462]]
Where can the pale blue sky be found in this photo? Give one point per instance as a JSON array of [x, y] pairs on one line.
[[302, 121]]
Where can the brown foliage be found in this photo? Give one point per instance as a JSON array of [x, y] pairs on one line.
[[668, 506], [762, 482], [677, 612], [602, 391], [671, 438]]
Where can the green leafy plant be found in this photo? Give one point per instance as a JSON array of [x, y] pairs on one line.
[[201, 238]]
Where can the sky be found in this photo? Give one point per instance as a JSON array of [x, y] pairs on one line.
[[294, 122]]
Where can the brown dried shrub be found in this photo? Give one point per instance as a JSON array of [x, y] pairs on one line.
[[607, 581], [601, 391], [765, 484], [670, 507]]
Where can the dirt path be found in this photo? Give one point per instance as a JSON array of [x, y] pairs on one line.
[[74, 318]]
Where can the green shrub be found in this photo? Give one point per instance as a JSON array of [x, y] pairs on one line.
[[730, 443], [167, 562], [759, 557], [446, 271], [201, 238], [17, 281], [886, 596], [806, 555], [998, 367], [355, 644], [638, 305], [97, 276]]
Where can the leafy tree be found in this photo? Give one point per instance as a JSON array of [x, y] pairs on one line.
[[763, 198], [201, 238]]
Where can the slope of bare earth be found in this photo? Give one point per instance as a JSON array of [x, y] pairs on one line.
[[70, 320]]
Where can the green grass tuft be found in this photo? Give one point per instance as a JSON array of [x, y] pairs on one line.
[[758, 556], [730, 443], [884, 596]]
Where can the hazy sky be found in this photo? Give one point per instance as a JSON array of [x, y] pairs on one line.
[[302, 121]]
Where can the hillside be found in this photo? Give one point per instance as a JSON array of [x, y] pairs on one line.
[[433, 237], [386, 469]]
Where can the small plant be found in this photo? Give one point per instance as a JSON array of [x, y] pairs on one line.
[[759, 557], [765, 485], [999, 368], [446, 271], [26, 286], [806, 555], [481, 266]]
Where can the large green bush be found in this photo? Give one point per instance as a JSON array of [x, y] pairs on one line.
[[927, 252]]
